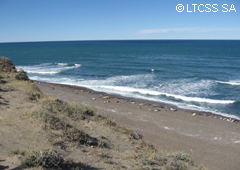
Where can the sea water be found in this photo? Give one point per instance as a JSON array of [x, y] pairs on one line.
[[201, 75]]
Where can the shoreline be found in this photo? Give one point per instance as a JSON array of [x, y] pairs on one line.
[[151, 102], [70, 127], [207, 139]]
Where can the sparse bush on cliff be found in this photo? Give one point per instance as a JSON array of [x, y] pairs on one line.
[[73, 111], [46, 158], [179, 155], [68, 132], [136, 134], [173, 164], [34, 96]]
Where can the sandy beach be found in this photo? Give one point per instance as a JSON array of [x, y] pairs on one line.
[[211, 140]]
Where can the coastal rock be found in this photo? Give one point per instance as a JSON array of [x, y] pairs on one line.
[[22, 75], [6, 65]]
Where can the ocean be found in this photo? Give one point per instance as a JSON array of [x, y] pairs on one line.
[[201, 75]]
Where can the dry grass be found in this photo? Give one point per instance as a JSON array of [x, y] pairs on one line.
[[73, 111], [113, 125], [25, 86], [46, 158], [59, 120], [9, 118], [146, 154], [68, 132]]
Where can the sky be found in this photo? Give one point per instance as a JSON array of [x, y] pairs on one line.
[[66, 20]]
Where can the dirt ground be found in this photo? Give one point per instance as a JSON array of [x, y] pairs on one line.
[[35, 118], [211, 140]]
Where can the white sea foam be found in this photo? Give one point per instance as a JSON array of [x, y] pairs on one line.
[[189, 106], [39, 69], [42, 72], [125, 91], [202, 100], [234, 83], [177, 89], [188, 87], [110, 85], [45, 64], [140, 90], [78, 65], [47, 68], [67, 81], [66, 64], [155, 93], [62, 64]]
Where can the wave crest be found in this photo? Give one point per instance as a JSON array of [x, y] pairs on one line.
[[155, 93], [62, 64], [48, 68], [234, 83]]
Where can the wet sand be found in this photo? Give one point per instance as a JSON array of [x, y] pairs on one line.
[[211, 140]]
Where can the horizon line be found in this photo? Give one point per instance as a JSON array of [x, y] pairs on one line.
[[114, 40]]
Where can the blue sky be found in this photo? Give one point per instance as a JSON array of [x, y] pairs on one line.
[[56, 20]]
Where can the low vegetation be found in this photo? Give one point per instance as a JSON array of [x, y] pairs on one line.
[[46, 158], [71, 136]]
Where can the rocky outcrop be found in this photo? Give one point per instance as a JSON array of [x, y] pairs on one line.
[[6, 65], [22, 75]]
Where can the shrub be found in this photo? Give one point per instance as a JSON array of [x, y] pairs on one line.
[[47, 158], [33, 96], [73, 134], [173, 164], [73, 111], [181, 156], [14, 152], [136, 134], [108, 160]]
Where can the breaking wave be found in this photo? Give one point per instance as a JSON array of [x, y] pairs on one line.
[[234, 83], [48, 68]]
